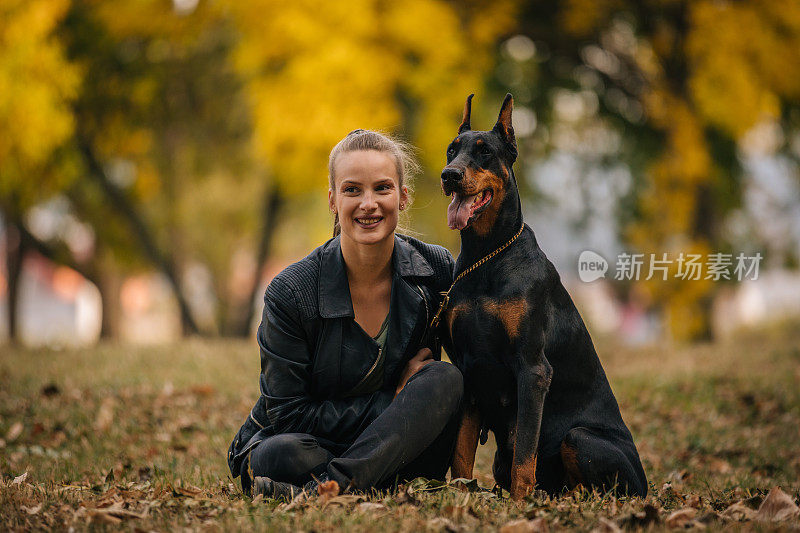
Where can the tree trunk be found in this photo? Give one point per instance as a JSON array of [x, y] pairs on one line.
[[15, 253], [161, 260], [272, 205], [109, 288]]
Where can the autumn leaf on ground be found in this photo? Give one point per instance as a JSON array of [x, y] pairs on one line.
[[777, 506], [105, 415], [14, 431], [328, 490], [537, 525], [681, 517]]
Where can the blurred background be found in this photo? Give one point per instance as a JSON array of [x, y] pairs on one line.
[[161, 160]]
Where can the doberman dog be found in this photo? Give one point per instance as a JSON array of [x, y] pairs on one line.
[[531, 373]]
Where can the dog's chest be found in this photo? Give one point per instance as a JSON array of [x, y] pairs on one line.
[[485, 326]]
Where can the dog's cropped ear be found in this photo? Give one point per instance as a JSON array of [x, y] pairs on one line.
[[503, 125], [465, 125]]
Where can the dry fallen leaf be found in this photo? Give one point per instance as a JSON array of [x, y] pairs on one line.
[[203, 389], [20, 479], [738, 512], [441, 524], [328, 490], [405, 495], [14, 431], [648, 515], [32, 510], [606, 526], [693, 500], [368, 507], [681, 517], [777, 507], [105, 415], [343, 500], [537, 525]]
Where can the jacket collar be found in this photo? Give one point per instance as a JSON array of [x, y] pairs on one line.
[[334, 290]]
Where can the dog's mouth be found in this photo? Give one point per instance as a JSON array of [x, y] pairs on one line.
[[464, 209]]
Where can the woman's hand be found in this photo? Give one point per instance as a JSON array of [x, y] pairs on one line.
[[414, 365]]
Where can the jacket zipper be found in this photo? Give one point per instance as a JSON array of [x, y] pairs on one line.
[[371, 370], [425, 301]]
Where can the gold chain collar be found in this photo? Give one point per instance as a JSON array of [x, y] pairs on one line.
[[446, 294]]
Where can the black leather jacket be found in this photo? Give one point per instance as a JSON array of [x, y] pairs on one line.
[[313, 352]]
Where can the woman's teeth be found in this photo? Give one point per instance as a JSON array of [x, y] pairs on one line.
[[367, 221]]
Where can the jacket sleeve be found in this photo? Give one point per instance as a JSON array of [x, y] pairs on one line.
[[286, 365]]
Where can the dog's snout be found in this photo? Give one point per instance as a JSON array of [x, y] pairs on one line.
[[452, 175]]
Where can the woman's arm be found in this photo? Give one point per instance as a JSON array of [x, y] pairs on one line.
[[286, 363]]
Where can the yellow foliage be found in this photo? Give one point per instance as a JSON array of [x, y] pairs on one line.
[[742, 54], [36, 86], [317, 70]]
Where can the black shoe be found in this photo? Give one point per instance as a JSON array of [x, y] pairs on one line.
[[275, 489]]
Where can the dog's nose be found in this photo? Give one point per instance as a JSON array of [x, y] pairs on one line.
[[452, 175]]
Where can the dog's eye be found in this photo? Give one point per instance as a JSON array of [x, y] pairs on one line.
[[451, 152], [486, 152]]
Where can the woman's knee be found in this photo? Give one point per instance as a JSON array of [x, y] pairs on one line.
[[449, 383], [289, 457]]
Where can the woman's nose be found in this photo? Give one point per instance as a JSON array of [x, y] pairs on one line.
[[369, 202]]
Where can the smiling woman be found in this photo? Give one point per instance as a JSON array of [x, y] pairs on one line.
[[366, 152], [349, 361]]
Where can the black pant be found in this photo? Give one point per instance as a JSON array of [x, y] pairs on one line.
[[415, 436]]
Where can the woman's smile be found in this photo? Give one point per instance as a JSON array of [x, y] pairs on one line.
[[369, 222]]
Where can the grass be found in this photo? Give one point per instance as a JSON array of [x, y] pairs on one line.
[[135, 437]]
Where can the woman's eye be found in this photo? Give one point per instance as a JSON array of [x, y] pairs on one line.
[[350, 189]]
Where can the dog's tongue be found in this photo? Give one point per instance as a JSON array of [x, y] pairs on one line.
[[458, 211]]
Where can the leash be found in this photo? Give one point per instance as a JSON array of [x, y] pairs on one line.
[[446, 294]]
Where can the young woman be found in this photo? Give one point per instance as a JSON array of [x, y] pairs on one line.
[[352, 390]]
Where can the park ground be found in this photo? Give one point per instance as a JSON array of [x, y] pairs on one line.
[[123, 437]]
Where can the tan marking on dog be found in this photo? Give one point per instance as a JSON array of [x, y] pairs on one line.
[[466, 444], [569, 457], [478, 180], [453, 312], [523, 477], [510, 313]]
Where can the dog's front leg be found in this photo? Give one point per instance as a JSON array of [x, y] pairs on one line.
[[466, 443], [532, 385]]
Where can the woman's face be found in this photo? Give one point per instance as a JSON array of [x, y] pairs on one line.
[[367, 196]]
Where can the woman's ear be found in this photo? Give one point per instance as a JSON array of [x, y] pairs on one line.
[[403, 197], [331, 203]]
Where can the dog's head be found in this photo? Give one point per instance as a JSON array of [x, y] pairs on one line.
[[478, 172]]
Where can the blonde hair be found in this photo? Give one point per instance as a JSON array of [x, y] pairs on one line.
[[358, 140]]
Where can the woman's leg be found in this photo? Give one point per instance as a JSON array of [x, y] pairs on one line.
[[426, 408], [294, 458]]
